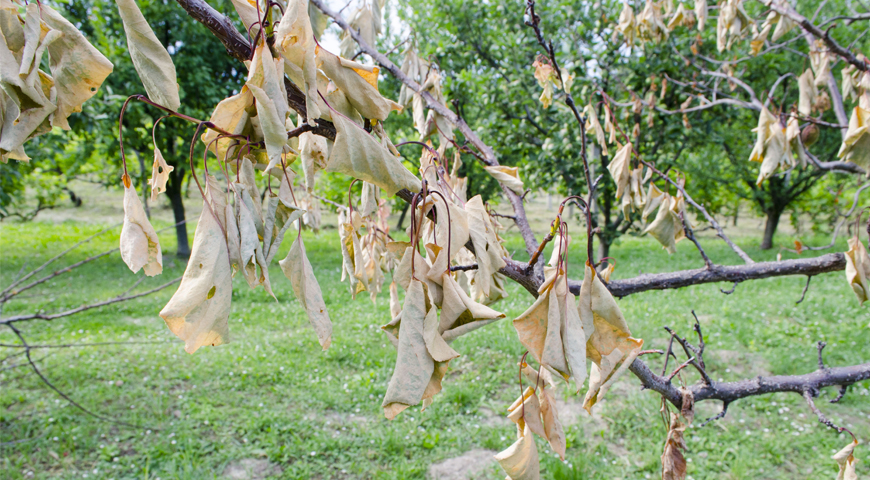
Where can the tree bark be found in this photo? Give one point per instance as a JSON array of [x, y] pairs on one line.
[[770, 225]]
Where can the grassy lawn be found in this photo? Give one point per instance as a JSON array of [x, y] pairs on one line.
[[273, 396]]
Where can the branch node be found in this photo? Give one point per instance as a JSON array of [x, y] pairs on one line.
[[821, 346]]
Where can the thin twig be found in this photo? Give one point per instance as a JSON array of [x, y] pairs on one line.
[[822, 418], [806, 287], [41, 316]]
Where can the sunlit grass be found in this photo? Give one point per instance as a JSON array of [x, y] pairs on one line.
[[271, 393]]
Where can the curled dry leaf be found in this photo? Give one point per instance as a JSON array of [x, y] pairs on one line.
[[459, 313], [627, 24], [673, 462], [667, 227], [620, 167], [199, 311], [808, 92], [314, 151], [858, 269], [359, 82], [701, 13], [274, 130], [160, 171], [845, 459], [229, 115], [414, 364], [540, 329], [297, 268], [294, 40], [507, 176], [553, 431], [526, 412], [593, 126], [358, 154], [610, 345], [520, 460], [140, 247], [77, 67], [856, 143], [150, 58]]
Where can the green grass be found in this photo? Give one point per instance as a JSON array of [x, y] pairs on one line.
[[271, 393]]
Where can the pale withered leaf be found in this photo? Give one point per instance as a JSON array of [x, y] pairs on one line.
[[627, 24], [414, 364], [227, 115], [701, 13], [858, 269], [298, 269], [526, 412], [574, 338], [459, 313], [369, 199], [314, 152], [199, 310], [77, 67], [234, 242], [553, 431], [507, 176], [593, 126], [150, 58], [140, 247], [808, 92], [845, 459], [294, 40], [358, 154], [274, 130], [856, 143], [539, 328], [520, 460], [610, 345], [666, 227], [160, 171], [619, 168], [359, 83]]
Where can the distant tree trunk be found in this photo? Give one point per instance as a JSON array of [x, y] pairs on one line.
[[174, 188], [402, 217], [173, 193], [770, 225]]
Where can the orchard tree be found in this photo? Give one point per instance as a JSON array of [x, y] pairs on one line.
[[303, 110]]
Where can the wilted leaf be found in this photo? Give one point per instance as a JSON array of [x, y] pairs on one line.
[[359, 83], [846, 461], [358, 154], [553, 431], [274, 131], [520, 460], [507, 176], [856, 143], [160, 171], [610, 345], [667, 226], [314, 152], [414, 364], [858, 269], [459, 313], [150, 58], [808, 92], [193, 314], [77, 67], [140, 247], [539, 329], [298, 269], [228, 115], [526, 412], [294, 40], [619, 168]]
